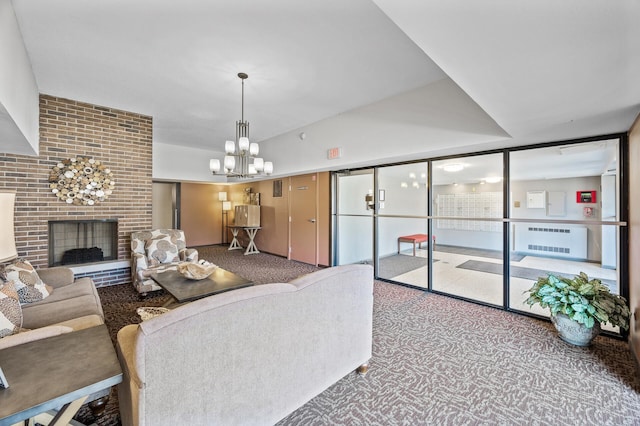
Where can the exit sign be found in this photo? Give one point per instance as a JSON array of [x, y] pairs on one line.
[[333, 153]]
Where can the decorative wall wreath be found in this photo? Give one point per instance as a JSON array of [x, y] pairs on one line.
[[81, 181]]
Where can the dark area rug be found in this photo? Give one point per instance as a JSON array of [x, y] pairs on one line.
[[398, 264], [492, 254]]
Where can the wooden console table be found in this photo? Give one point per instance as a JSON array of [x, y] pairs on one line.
[[60, 371], [251, 232]]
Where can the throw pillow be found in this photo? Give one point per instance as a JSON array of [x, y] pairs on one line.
[[162, 250], [10, 310], [28, 284]]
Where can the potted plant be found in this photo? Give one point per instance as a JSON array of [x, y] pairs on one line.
[[578, 306]]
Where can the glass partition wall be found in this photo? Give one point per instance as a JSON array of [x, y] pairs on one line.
[[402, 213], [450, 224], [467, 226], [565, 217]]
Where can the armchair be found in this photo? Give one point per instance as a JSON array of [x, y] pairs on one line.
[[157, 251]]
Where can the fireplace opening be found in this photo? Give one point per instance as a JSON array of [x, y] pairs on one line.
[[73, 242]]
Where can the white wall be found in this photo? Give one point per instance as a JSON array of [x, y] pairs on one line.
[[574, 210], [181, 164], [19, 97], [413, 125]]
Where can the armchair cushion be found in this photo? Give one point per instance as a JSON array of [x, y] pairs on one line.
[[10, 311], [28, 284], [161, 250]]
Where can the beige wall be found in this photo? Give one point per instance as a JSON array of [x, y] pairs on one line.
[[163, 205], [201, 213], [634, 235], [274, 215]]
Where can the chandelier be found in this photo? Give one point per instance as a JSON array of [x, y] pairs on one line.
[[239, 153]]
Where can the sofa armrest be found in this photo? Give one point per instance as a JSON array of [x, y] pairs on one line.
[[139, 262], [57, 276], [125, 348], [81, 323], [33, 335]]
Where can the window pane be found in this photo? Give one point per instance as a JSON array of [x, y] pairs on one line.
[[467, 194], [574, 190]]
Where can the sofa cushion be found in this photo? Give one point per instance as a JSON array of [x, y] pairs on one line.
[[66, 303], [28, 284], [162, 250], [10, 311], [82, 287]]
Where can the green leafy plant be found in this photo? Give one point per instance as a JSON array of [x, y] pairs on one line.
[[581, 299]]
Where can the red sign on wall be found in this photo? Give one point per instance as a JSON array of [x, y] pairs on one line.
[[585, 196]]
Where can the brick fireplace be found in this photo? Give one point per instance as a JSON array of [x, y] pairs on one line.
[[122, 141]]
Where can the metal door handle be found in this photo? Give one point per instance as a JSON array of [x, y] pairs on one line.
[[312, 220]]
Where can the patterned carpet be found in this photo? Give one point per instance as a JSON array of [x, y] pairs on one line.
[[442, 361]]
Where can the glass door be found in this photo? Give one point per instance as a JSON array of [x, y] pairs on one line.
[[403, 237], [353, 217], [467, 210]]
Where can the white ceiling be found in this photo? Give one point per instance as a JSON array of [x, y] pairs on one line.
[[542, 70]]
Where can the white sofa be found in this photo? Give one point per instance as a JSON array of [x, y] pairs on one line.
[[249, 356]]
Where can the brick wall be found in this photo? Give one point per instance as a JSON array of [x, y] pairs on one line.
[[120, 140]]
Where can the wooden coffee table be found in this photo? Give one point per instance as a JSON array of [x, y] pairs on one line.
[[185, 290], [60, 371]]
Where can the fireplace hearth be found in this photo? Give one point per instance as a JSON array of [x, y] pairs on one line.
[[74, 242]]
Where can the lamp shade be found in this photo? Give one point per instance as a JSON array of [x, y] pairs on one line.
[[229, 162], [252, 169], [222, 196], [7, 237], [226, 206], [243, 144], [254, 149], [268, 167], [258, 163], [214, 165], [229, 147]]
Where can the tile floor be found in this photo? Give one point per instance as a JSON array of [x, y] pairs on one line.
[[487, 287]]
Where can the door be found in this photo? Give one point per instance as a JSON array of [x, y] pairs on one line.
[[354, 217], [303, 222]]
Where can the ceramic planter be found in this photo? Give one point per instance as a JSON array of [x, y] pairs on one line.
[[573, 332]]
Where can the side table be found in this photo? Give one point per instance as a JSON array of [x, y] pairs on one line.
[[251, 233], [60, 371]]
